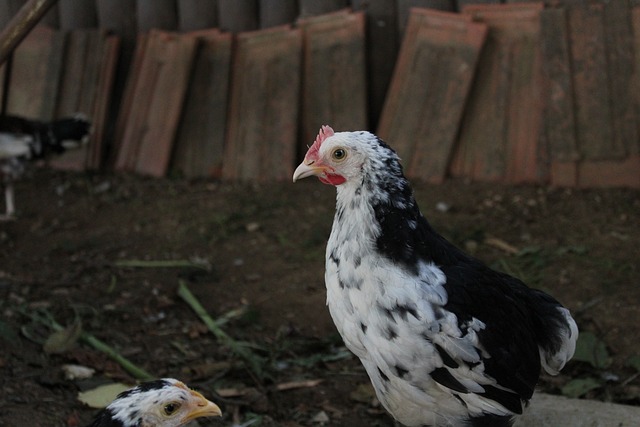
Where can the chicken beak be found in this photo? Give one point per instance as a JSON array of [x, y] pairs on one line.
[[307, 169], [202, 408]]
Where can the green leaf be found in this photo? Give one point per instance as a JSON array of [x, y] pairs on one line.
[[591, 350], [634, 362], [102, 396], [580, 386], [8, 335]]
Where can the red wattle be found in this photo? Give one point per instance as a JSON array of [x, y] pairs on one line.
[[332, 179]]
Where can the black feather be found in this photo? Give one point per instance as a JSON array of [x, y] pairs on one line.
[[444, 377], [517, 318], [105, 419], [446, 358]]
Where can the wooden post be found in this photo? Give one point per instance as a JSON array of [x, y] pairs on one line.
[[157, 14], [238, 15], [320, 7], [76, 14], [18, 28], [197, 14], [277, 12]]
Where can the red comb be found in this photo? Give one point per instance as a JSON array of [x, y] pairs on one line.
[[324, 133]]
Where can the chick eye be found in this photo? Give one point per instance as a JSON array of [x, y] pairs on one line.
[[171, 408], [339, 154]]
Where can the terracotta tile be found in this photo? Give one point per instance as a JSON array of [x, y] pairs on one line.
[[37, 67], [169, 59], [262, 125], [334, 84], [102, 102], [559, 115], [429, 89], [610, 173], [90, 56], [199, 143], [501, 132], [79, 52], [634, 146], [620, 62], [124, 150], [591, 83], [404, 10], [72, 87], [153, 101], [564, 173]]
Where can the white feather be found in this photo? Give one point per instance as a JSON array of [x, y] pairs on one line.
[[14, 146], [553, 363]]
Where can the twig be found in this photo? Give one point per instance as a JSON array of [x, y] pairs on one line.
[[247, 355], [175, 263], [588, 305], [628, 380], [230, 315], [137, 372], [502, 245], [94, 342], [292, 385]]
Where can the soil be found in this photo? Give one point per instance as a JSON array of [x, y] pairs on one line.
[[260, 248]]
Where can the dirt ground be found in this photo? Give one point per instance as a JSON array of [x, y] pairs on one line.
[[260, 248]]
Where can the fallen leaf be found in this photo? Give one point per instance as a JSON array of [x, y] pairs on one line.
[[102, 396], [502, 245], [592, 350], [63, 340], [363, 393], [580, 386]]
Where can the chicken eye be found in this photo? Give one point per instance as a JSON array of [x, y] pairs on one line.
[[339, 154], [171, 408]]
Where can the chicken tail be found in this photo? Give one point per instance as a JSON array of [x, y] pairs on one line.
[[556, 332]]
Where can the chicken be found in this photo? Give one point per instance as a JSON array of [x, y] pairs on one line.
[[445, 340], [161, 403], [22, 140]]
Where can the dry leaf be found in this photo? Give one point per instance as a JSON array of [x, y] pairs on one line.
[[63, 340], [103, 395]]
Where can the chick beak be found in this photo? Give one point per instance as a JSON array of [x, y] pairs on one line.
[[307, 168], [202, 408]]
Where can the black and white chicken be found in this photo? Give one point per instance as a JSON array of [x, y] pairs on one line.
[[160, 403], [23, 140], [446, 340]]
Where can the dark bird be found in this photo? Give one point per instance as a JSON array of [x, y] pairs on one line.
[[24, 140], [160, 403], [446, 340]]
